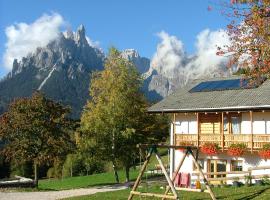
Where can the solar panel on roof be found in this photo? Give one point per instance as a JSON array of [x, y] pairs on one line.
[[233, 84]]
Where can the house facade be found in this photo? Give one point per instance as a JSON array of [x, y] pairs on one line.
[[223, 112]]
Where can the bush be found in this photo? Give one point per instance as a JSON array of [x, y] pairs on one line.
[[77, 165], [25, 170]]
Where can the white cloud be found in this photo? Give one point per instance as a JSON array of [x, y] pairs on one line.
[[170, 58], [24, 38], [169, 54]]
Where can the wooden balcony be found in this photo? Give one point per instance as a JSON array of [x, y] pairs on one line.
[[253, 142]]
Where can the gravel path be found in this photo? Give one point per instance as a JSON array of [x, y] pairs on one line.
[[52, 195]]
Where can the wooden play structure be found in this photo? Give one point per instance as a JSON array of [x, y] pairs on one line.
[[152, 149]]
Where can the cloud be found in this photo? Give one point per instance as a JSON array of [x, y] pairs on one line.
[[171, 60], [24, 38], [169, 55]]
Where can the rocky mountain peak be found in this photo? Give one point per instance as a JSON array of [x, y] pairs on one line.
[[130, 54], [80, 35], [133, 56]]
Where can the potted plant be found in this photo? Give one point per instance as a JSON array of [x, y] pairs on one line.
[[265, 152], [209, 148], [237, 149]]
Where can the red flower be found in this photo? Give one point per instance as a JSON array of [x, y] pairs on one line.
[[265, 154], [236, 149], [209, 148]]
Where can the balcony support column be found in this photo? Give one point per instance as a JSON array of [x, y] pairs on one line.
[[251, 129], [198, 130], [222, 130]]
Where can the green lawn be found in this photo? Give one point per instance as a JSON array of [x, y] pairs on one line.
[[95, 179], [84, 181], [229, 193]]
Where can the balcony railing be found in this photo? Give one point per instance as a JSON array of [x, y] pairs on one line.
[[254, 141]]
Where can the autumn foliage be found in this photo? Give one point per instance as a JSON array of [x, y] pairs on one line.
[[249, 31]]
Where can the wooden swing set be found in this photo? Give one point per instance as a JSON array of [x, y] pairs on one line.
[[153, 149]]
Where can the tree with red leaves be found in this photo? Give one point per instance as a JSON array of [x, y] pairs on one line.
[[249, 32]]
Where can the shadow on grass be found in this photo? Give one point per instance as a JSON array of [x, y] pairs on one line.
[[246, 197]]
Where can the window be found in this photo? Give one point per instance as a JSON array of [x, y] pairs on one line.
[[236, 165], [201, 163], [235, 124], [217, 166], [225, 123]]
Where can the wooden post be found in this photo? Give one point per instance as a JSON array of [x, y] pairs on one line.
[[136, 184], [176, 172], [174, 143], [166, 175], [251, 129], [202, 175], [174, 129], [198, 130], [222, 130]]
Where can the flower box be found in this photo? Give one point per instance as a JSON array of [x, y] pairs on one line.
[[209, 148], [265, 152], [237, 149]]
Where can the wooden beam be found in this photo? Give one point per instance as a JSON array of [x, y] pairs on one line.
[[222, 173], [222, 130], [202, 175], [166, 175], [165, 146], [136, 184], [198, 130], [152, 195], [174, 129], [176, 172], [251, 129]]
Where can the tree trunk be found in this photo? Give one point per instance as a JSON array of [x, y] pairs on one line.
[[127, 173], [71, 170], [36, 174], [115, 173]]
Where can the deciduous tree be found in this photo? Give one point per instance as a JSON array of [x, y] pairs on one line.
[[249, 31], [35, 129], [115, 118]]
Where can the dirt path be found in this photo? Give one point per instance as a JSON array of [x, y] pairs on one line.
[[52, 195]]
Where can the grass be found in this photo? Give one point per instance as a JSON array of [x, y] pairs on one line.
[[84, 181], [95, 179], [227, 193]]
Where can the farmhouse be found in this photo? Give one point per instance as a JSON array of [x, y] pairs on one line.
[[220, 112]]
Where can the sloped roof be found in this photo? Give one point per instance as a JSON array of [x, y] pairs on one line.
[[226, 100]]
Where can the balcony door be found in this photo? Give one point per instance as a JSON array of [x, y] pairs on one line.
[[232, 123]]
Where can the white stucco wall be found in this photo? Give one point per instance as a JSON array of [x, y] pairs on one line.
[[186, 123], [261, 123]]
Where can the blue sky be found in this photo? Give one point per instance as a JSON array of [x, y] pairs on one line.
[[121, 23]]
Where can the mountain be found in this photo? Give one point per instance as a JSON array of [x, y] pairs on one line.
[[142, 63], [61, 70]]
